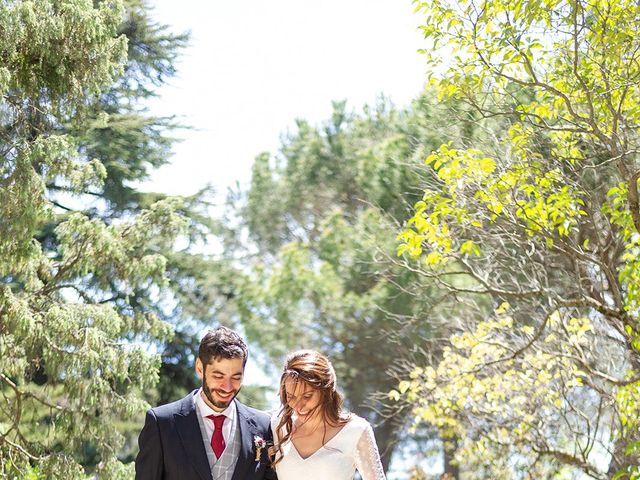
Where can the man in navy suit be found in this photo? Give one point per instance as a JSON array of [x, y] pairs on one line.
[[208, 435]]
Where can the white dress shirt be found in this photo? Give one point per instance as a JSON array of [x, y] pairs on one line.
[[228, 427]]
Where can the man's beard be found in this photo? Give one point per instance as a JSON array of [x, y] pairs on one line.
[[216, 403]]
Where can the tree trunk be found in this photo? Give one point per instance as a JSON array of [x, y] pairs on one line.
[[451, 469]]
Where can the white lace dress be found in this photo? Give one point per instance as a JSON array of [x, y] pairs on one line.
[[353, 447]]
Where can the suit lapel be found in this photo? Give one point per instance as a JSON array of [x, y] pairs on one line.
[[189, 431], [248, 429]]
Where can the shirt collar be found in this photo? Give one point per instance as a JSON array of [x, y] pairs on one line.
[[206, 410]]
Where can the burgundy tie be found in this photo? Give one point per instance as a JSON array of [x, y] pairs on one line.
[[217, 440]]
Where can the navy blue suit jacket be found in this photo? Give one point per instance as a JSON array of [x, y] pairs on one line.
[[171, 446]]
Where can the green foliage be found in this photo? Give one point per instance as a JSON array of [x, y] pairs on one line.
[[547, 218], [76, 285], [129, 143], [44, 47]]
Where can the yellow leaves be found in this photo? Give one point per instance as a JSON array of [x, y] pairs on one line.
[[490, 27], [505, 322], [628, 403], [433, 259], [539, 110], [452, 165], [465, 340], [433, 216], [526, 193], [580, 326], [566, 147], [420, 380], [403, 386], [469, 247], [521, 138], [496, 208], [479, 377], [503, 308], [412, 243], [428, 228], [543, 377], [575, 381], [554, 319], [547, 206], [447, 90], [433, 158]]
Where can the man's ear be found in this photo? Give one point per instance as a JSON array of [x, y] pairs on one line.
[[199, 368]]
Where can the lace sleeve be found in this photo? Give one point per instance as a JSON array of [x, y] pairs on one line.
[[367, 457]]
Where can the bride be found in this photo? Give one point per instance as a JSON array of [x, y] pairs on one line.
[[314, 438]]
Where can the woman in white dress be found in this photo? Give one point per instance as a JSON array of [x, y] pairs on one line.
[[314, 439]]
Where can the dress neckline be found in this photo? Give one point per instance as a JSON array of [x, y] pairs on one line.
[[321, 446]]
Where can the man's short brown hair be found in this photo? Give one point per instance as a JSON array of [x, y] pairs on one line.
[[222, 342]]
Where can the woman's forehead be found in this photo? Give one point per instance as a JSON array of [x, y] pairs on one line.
[[296, 386]]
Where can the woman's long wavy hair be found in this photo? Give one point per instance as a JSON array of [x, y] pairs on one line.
[[315, 370]]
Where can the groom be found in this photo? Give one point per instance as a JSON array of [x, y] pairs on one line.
[[208, 435]]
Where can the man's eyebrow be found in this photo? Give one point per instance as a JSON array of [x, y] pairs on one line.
[[220, 372]]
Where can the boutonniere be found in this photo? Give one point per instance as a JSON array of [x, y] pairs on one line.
[[260, 443]]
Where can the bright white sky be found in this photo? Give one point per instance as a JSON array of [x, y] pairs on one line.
[[254, 66]]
